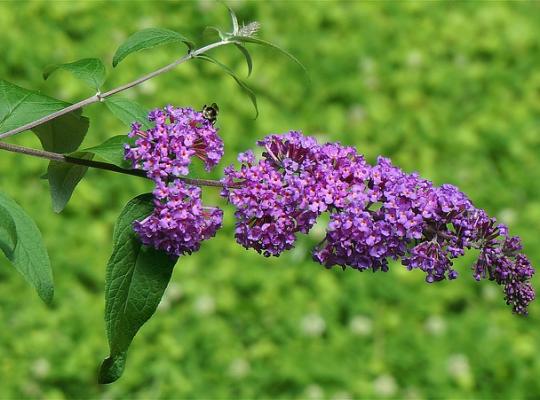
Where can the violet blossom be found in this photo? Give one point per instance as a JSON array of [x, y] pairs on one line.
[[377, 213], [179, 222]]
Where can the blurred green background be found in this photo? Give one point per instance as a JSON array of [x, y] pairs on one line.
[[451, 90]]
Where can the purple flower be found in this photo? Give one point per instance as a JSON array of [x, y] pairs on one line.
[[269, 213], [432, 258], [284, 192], [377, 213], [179, 222], [166, 150]]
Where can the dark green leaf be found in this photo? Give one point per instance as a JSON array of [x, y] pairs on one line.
[[26, 251], [239, 81], [112, 150], [146, 39], [8, 233], [19, 106], [246, 54], [247, 39], [136, 279], [63, 134], [89, 70], [128, 111], [63, 178]]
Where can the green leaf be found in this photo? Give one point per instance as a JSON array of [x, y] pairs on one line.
[[63, 178], [146, 39], [89, 70], [248, 39], [234, 20], [63, 134], [112, 150], [8, 233], [19, 106], [136, 279], [247, 56], [239, 81], [128, 111], [26, 250]]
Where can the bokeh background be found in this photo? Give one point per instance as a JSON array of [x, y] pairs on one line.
[[451, 90]]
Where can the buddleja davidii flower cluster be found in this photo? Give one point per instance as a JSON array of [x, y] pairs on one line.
[[179, 222], [377, 213]]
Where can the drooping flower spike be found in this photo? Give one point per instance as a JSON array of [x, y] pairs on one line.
[[377, 213]]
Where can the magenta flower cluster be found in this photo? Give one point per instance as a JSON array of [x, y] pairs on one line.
[[179, 222], [377, 213], [167, 149]]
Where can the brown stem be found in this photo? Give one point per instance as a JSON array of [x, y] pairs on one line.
[[96, 164]]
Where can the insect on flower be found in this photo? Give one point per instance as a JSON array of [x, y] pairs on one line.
[[210, 112]]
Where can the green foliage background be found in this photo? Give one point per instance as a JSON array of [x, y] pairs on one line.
[[451, 90]]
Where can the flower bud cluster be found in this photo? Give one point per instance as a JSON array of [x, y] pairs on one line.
[[377, 213], [179, 222]]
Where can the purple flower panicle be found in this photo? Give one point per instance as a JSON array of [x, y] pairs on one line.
[[166, 150], [377, 213], [179, 222]]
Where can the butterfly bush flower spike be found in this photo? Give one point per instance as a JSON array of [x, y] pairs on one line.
[[377, 213], [179, 222]]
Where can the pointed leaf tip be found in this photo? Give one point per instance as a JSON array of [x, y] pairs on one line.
[[134, 285], [111, 369], [234, 19]]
